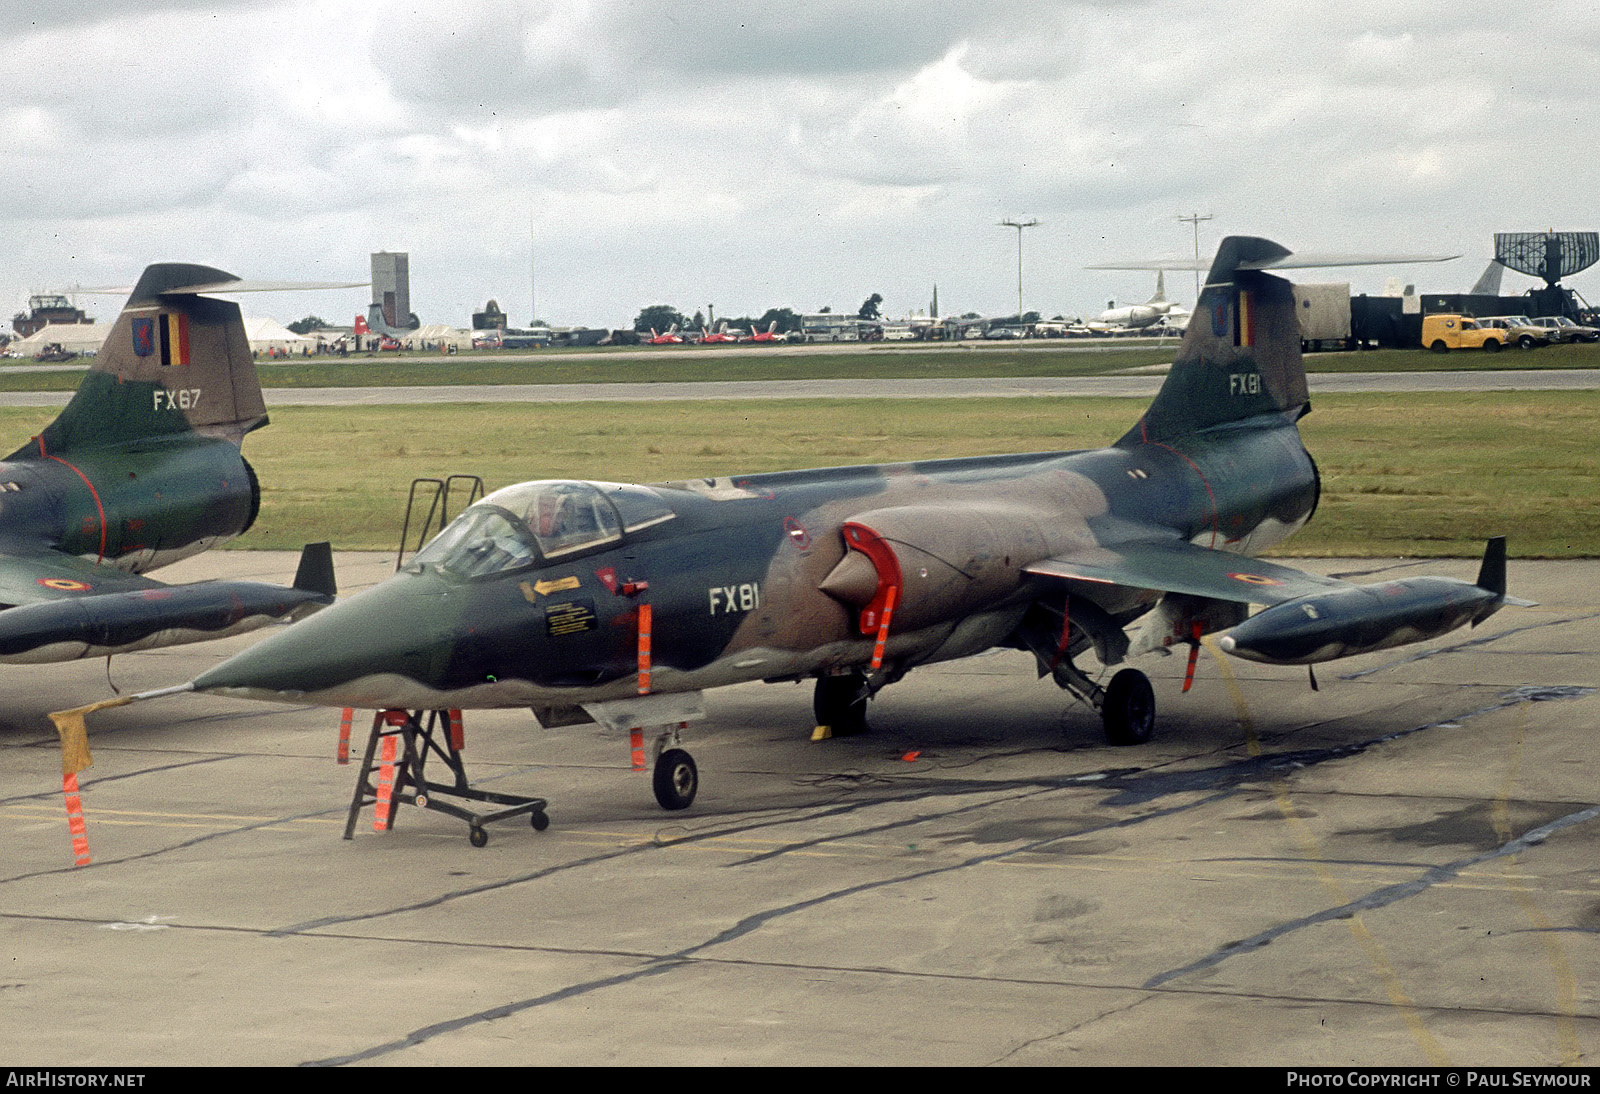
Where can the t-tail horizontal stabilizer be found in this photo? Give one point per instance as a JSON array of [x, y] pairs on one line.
[[1363, 618]]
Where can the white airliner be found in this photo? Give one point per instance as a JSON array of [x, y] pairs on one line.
[[1137, 316]]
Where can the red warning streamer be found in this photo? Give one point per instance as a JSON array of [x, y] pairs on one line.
[[385, 797], [636, 742], [80, 835], [343, 754], [883, 626], [644, 649], [1194, 655]]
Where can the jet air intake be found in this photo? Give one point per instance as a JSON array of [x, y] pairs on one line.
[[941, 569]]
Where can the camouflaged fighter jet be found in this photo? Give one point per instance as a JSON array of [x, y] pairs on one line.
[[621, 603], [142, 468]]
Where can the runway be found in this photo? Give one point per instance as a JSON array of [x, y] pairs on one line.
[[1397, 869], [1141, 385]]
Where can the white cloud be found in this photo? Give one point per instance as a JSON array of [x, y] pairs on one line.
[[757, 156]]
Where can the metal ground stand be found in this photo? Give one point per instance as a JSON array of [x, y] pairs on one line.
[[405, 744]]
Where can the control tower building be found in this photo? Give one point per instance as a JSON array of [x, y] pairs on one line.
[[391, 287]]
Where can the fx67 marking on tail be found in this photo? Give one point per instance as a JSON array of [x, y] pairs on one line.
[[185, 398]]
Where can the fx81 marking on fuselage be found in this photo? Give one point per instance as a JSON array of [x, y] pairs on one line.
[[1244, 383], [725, 599]]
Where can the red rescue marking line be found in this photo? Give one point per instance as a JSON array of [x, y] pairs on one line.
[[889, 599], [93, 493], [75, 825], [644, 649], [1203, 482], [385, 796], [345, 718]]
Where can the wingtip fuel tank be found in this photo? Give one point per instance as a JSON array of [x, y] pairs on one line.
[[1343, 622]]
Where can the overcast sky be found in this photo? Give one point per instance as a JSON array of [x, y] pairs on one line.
[[753, 155]]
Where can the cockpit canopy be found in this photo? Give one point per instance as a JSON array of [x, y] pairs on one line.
[[533, 523]]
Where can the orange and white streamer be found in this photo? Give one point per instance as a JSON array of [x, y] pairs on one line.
[[385, 795], [80, 834], [343, 755], [644, 649], [883, 626]]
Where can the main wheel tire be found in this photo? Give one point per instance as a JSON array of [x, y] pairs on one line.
[[840, 703], [676, 779], [1129, 708], [478, 837]]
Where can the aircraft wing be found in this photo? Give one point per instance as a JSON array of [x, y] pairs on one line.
[[1177, 566], [28, 576], [1286, 261], [58, 607]]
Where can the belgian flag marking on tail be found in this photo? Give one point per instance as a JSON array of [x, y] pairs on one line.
[[174, 328], [1244, 332]]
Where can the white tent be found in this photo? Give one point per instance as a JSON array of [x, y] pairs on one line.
[[436, 336], [82, 338], [271, 336]]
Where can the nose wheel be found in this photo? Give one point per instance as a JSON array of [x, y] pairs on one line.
[[676, 779]]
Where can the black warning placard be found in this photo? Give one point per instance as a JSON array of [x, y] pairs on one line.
[[570, 617]]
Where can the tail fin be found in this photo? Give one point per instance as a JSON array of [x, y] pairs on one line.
[[1488, 283], [175, 362], [1492, 571], [1161, 289], [315, 572], [1240, 356]]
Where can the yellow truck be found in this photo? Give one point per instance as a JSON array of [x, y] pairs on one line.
[[1443, 332]]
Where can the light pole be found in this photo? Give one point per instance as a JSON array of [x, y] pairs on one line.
[[1195, 219], [1019, 225]]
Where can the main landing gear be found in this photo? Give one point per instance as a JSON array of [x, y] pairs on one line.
[[1127, 706], [840, 703]]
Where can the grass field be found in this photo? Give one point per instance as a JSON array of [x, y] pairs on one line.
[[803, 363], [1409, 475]]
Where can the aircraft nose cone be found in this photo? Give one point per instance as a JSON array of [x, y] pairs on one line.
[[358, 652]]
